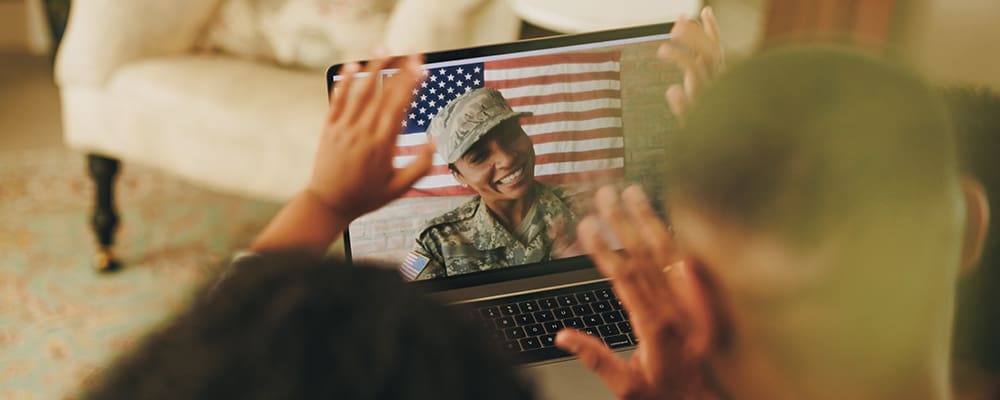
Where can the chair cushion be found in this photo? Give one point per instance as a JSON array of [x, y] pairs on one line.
[[236, 125]]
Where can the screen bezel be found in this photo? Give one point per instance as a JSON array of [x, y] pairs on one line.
[[526, 270]]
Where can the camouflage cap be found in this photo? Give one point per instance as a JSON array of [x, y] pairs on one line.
[[463, 121]]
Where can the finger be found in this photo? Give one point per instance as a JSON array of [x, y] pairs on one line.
[[678, 55], [338, 96], [404, 178], [692, 37], [694, 78], [711, 26], [651, 228], [367, 91], [396, 96], [677, 101], [693, 302], [598, 358], [610, 210], [605, 258]]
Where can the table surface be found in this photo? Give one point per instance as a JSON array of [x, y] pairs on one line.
[[575, 16]]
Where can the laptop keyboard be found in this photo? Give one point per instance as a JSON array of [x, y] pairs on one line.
[[527, 324]]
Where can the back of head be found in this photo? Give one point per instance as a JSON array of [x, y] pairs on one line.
[[288, 326], [847, 162], [976, 114]]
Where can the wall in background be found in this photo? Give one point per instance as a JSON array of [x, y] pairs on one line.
[[952, 41]]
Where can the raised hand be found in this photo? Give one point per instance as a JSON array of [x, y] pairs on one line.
[[353, 171], [696, 50], [665, 303]]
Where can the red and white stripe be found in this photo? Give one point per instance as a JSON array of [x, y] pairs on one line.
[[576, 127]]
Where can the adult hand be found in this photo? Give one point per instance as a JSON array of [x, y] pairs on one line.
[[353, 171], [696, 50], [665, 303]]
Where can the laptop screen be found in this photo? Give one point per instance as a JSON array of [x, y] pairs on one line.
[[525, 133]]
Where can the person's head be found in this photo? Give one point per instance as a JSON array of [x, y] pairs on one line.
[[481, 139], [819, 189], [288, 326], [976, 115]]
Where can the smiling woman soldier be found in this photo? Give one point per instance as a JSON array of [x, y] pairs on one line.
[[513, 219]]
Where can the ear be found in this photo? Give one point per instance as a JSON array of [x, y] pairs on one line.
[[458, 177], [977, 222]]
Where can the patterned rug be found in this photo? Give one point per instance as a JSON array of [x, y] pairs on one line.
[[60, 321]]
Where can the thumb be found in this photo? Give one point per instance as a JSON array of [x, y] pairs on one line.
[[405, 177], [597, 357]]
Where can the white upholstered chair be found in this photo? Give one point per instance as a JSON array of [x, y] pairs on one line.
[[134, 89]]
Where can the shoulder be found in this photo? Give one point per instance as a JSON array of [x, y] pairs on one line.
[[441, 224]]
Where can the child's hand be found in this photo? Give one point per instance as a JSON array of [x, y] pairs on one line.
[[353, 171]]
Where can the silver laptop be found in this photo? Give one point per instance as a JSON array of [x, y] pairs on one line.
[[594, 111]]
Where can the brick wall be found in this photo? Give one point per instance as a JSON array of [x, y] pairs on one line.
[[389, 233]]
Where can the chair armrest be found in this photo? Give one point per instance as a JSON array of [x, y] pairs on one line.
[[102, 35]]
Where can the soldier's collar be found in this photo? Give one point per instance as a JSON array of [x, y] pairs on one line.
[[491, 234]]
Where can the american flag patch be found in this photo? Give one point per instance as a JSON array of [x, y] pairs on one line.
[[413, 264]]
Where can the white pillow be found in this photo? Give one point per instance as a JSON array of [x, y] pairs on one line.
[[299, 33]]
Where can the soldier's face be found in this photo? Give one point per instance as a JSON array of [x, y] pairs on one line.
[[501, 166]]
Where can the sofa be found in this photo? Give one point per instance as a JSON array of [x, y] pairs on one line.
[[136, 88]]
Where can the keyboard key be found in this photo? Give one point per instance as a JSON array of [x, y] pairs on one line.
[[582, 309], [601, 306], [512, 346], [514, 333], [553, 326], [591, 331], [548, 304], [593, 320], [573, 323], [567, 300], [510, 309], [524, 319], [534, 330], [530, 343], [585, 297], [617, 341], [608, 330], [563, 313], [543, 316], [547, 340], [616, 304], [504, 323], [625, 327], [528, 306], [489, 312], [613, 317], [631, 336], [604, 294]]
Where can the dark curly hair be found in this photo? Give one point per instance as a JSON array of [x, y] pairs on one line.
[[291, 326]]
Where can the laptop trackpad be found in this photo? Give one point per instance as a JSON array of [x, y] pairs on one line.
[[569, 379]]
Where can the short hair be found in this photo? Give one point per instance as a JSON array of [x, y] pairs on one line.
[[795, 140], [291, 326], [976, 115]]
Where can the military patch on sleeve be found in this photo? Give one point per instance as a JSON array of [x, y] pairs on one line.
[[413, 265]]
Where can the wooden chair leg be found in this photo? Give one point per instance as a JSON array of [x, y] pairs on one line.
[[105, 219]]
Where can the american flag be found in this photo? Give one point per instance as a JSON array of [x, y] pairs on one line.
[[576, 127]]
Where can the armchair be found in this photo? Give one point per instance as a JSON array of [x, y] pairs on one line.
[[134, 89]]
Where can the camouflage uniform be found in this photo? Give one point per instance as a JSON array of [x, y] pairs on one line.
[[470, 239]]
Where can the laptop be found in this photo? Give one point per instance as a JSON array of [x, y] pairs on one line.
[[597, 116]]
